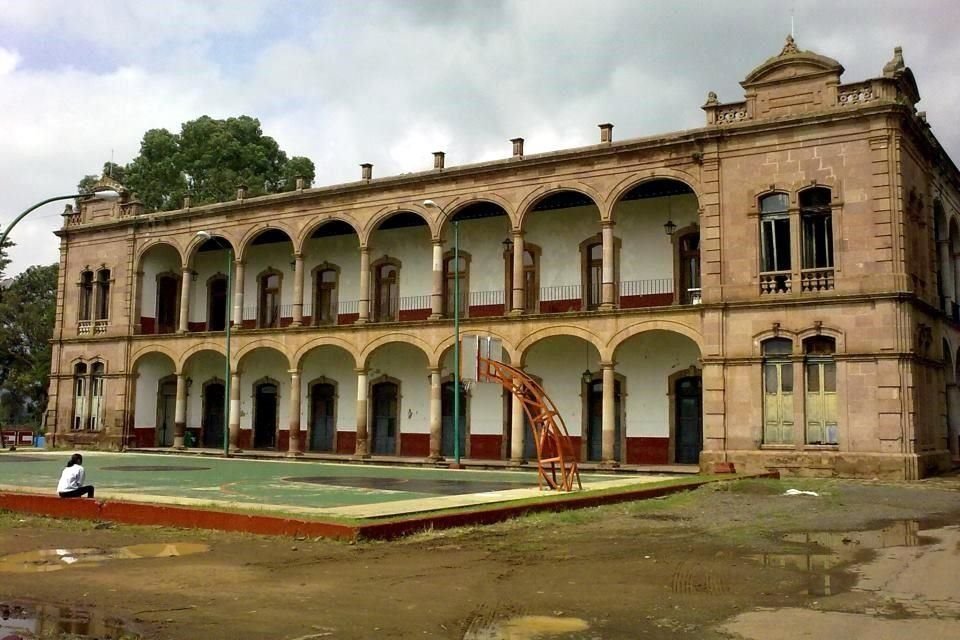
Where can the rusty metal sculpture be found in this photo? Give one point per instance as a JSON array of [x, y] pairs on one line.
[[554, 448]]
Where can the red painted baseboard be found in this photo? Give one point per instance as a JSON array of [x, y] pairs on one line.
[[485, 447], [648, 450], [346, 442], [415, 445]]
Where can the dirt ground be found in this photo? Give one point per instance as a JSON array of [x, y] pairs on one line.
[[735, 560]]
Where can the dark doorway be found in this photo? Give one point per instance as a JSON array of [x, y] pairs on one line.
[[689, 421], [167, 296], [322, 423], [595, 420], [447, 431], [166, 412], [386, 397], [213, 414], [265, 416], [217, 302]]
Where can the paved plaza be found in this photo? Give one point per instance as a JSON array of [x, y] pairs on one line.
[[302, 488]]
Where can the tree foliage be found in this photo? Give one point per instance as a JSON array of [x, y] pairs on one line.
[[27, 309], [209, 158]]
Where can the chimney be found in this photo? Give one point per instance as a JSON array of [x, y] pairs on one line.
[[517, 147], [301, 183], [187, 200], [366, 171], [241, 191], [438, 159], [606, 133]]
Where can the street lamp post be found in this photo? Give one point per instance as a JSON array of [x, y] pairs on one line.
[[456, 332], [226, 327], [106, 194]]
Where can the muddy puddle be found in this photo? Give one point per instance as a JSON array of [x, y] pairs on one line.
[[46, 560], [526, 628], [26, 620]]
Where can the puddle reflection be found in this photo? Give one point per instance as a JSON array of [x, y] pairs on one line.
[[23, 620], [46, 560], [830, 552]]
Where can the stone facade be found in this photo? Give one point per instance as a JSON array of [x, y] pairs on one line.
[[799, 314]]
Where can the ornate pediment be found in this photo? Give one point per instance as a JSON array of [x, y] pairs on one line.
[[792, 64]]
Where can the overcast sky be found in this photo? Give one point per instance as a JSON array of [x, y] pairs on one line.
[[345, 82]]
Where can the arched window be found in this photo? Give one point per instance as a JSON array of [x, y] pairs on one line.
[[821, 390], [168, 299], [454, 270], [386, 291], [816, 223], [217, 303], [325, 295], [269, 308], [593, 274], [79, 396], [777, 391], [96, 397], [775, 243], [85, 306], [103, 295]]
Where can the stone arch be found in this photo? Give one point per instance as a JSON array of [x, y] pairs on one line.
[[188, 354], [386, 213], [763, 336], [634, 180], [160, 349], [301, 239], [256, 231], [523, 347], [154, 243], [196, 243], [532, 199], [456, 206], [609, 350], [836, 334], [363, 359], [318, 343], [263, 343]]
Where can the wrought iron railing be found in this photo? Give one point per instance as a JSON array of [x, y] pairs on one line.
[[485, 298], [561, 292], [410, 303], [646, 287]]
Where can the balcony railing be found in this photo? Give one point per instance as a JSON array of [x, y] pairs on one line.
[[486, 298], [816, 279], [91, 327], [413, 303], [347, 307], [561, 292], [775, 282]]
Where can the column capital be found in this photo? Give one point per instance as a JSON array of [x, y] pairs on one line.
[[437, 242], [297, 255], [293, 372], [361, 371], [607, 224], [610, 364], [364, 248], [435, 370], [184, 269], [517, 233]]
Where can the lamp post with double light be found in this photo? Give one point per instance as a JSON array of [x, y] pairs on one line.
[[206, 236], [456, 332]]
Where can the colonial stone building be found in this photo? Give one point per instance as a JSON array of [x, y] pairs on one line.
[[778, 288]]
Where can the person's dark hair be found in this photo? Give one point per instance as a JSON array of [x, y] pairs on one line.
[[75, 459]]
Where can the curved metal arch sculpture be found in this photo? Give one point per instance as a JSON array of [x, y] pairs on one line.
[[554, 448]]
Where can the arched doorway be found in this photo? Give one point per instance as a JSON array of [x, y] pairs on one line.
[[323, 400], [166, 411], [265, 414], [217, 303], [168, 299], [594, 422], [447, 431], [385, 413], [688, 395], [212, 421]]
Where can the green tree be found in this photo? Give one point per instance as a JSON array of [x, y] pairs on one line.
[[27, 308], [210, 158]]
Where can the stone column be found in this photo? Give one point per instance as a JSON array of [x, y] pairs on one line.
[[238, 294], [293, 448], [364, 304], [436, 414], [518, 430], [186, 278], [436, 298], [180, 414], [519, 285], [609, 418], [234, 411], [608, 286], [297, 291], [363, 431], [946, 275]]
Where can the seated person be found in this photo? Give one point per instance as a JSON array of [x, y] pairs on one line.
[[71, 480]]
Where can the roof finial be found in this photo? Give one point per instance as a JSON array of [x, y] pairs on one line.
[[896, 63], [790, 46]]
